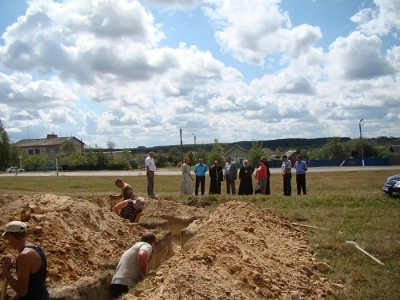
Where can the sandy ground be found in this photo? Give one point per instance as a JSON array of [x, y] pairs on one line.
[[169, 172], [238, 252], [79, 237]]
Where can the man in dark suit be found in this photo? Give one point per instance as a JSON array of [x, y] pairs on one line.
[[230, 176]]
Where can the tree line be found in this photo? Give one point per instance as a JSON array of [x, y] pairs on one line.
[[97, 158]]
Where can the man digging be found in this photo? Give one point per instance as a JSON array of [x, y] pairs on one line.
[[31, 265], [132, 266], [131, 207]]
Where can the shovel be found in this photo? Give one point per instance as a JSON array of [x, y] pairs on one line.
[[365, 252]]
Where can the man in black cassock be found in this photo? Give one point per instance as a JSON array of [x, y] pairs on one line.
[[216, 175], [246, 183]]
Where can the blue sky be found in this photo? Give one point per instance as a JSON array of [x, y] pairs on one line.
[[91, 75]]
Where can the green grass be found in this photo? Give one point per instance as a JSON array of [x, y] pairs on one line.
[[349, 204]]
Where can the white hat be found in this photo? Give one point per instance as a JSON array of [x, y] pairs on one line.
[[14, 226]]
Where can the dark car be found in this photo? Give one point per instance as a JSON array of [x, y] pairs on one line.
[[391, 185]]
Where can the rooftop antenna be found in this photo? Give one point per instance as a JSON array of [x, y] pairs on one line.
[[28, 131]]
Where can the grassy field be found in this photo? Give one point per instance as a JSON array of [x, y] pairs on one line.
[[349, 204]]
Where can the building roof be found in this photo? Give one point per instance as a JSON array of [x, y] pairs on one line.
[[236, 145], [44, 142], [395, 148], [268, 150], [291, 152]]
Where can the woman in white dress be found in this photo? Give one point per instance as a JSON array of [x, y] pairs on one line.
[[186, 186]]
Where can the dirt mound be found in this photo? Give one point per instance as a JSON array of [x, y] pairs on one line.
[[197, 202], [165, 208], [79, 236], [238, 252]]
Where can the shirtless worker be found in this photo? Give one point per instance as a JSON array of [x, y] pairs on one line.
[[131, 207], [132, 266], [31, 265]]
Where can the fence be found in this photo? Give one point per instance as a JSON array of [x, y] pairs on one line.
[[348, 162]]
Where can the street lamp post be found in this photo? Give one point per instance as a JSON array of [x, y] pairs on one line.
[[194, 139], [361, 141]]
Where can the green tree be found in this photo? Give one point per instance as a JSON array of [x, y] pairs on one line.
[[75, 159], [124, 158], [140, 158], [201, 153], [111, 147], [68, 147], [333, 149], [191, 156], [174, 156], [91, 157], [35, 161], [255, 153], [160, 159], [4, 147], [101, 157], [216, 154], [14, 155], [355, 144]]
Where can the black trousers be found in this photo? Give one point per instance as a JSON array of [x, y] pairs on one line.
[[118, 290], [200, 180], [268, 187], [301, 183], [287, 184]]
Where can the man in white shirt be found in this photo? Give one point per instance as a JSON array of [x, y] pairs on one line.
[[150, 169], [230, 176], [287, 175], [132, 266]]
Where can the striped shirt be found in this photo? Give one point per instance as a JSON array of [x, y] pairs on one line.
[[129, 212], [286, 166]]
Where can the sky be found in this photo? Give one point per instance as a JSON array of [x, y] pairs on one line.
[[136, 72]]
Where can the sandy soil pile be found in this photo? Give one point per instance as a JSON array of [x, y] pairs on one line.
[[165, 208], [238, 252], [78, 236]]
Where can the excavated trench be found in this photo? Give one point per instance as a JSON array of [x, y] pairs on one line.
[[96, 287]]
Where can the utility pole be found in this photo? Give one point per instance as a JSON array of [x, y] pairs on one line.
[[236, 159], [194, 140], [361, 140], [180, 130]]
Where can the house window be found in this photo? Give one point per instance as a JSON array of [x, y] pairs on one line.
[[37, 151], [52, 150], [241, 161], [30, 152]]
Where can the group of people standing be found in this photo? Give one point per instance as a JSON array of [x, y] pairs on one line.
[[230, 173]]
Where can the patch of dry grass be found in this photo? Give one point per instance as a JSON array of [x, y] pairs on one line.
[[349, 204]]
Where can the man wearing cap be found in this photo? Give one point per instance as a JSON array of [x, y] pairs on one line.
[[132, 266], [31, 265]]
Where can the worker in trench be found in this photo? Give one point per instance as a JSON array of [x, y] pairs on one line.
[[132, 266], [31, 265], [131, 208]]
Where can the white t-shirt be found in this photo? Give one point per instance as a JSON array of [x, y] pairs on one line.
[[150, 162], [128, 269]]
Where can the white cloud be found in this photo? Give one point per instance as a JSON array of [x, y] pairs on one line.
[[172, 4], [257, 29], [381, 20], [357, 57], [105, 71]]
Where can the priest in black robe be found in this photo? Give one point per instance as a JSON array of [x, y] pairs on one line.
[[216, 176], [246, 183]]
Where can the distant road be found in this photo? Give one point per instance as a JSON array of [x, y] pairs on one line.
[[163, 172]]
